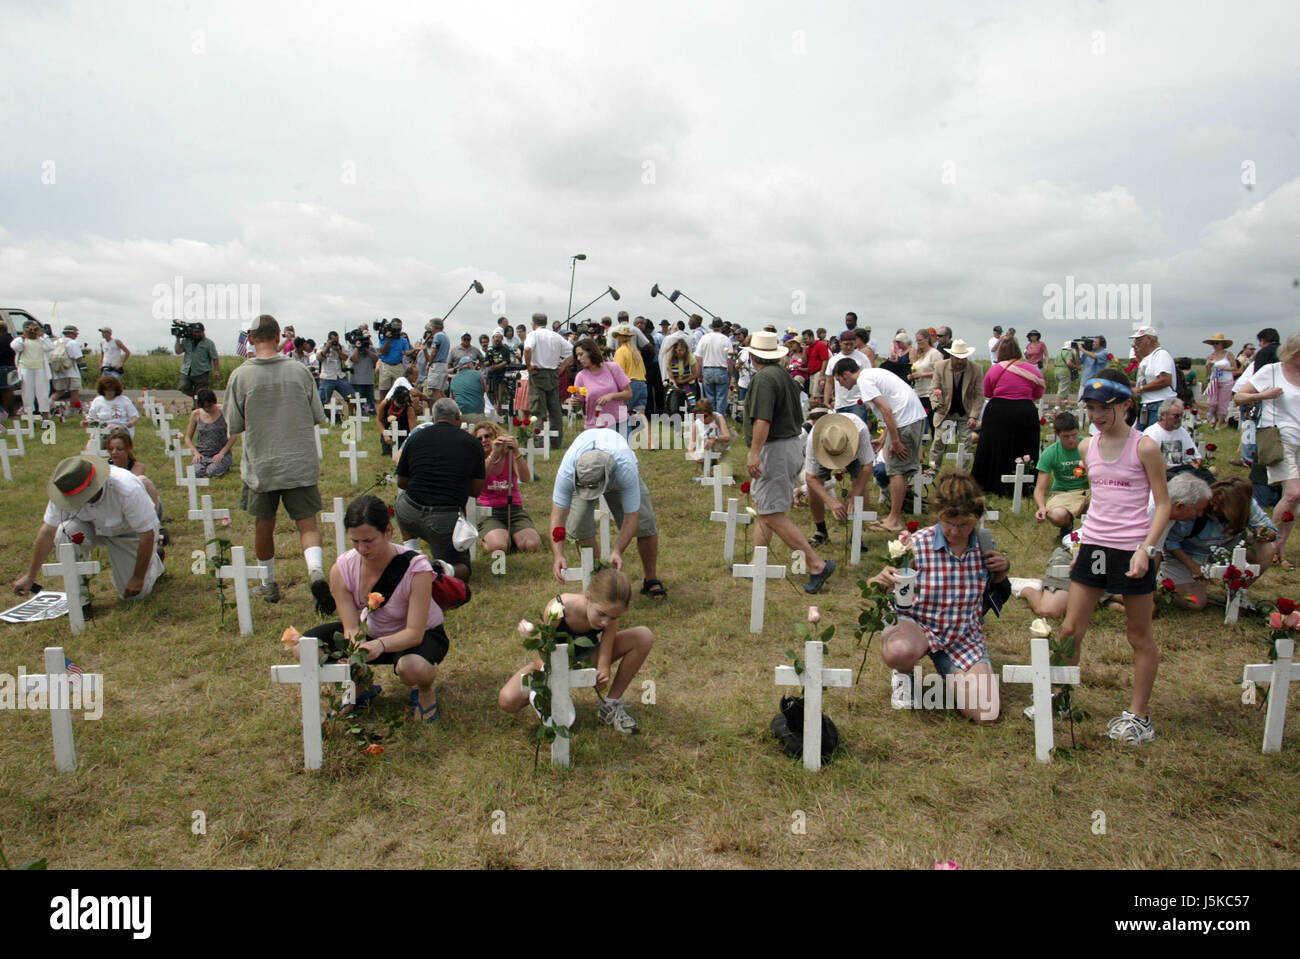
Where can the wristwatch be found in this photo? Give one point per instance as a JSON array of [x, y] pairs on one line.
[[1151, 551]]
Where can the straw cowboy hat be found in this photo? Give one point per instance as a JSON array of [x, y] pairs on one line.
[[766, 345], [76, 481], [960, 349], [1218, 339], [835, 441]]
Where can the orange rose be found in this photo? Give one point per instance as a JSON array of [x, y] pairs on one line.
[[374, 601], [290, 637], [374, 749]]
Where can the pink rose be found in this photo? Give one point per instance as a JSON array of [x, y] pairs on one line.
[[814, 614], [1275, 620], [1293, 621]]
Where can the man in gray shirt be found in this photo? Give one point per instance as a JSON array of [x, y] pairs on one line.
[[273, 400], [465, 348]]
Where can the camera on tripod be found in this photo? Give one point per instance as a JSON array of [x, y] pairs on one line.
[[181, 329]]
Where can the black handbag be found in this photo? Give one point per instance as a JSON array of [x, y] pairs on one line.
[[787, 727]]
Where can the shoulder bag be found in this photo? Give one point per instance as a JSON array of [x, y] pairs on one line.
[[1268, 439]]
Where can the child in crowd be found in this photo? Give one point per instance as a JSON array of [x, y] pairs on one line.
[[1062, 489]]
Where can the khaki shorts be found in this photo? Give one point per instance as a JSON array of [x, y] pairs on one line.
[[299, 503], [910, 436], [1288, 467], [66, 382], [781, 463], [1076, 501], [519, 521], [582, 515]]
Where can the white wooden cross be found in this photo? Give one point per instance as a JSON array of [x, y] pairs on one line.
[[547, 433], [96, 445], [207, 514], [961, 455], [919, 482], [30, 420], [309, 674], [352, 454], [717, 481], [426, 416], [473, 513], [56, 684], [192, 483], [1042, 674], [336, 517], [1019, 480], [5, 453], [560, 679], [815, 677], [583, 572], [358, 405], [602, 515], [317, 432], [1220, 571], [857, 518], [991, 516], [70, 571], [165, 430], [395, 434], [731, 517], [710, 457], [530, 451], [1279, 674], [241, 573], [760, 572], [334, 408], [178, 455]]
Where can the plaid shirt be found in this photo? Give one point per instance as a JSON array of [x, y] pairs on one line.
[[949, 591]]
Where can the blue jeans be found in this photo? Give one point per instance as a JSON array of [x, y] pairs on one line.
[[716, 382], [1149, 414], [640, 394], [327, 388]]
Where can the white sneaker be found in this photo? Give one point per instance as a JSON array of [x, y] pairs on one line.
[[1128, 728], [1018, 585], [900, 696], [611, 711]]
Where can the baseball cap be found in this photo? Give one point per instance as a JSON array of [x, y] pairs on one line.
[[1143, 331], [591, 473], [1102, 390]]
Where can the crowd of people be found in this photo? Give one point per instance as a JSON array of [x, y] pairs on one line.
[[1123, 483]]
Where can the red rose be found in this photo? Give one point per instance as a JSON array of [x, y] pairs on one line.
[[1232, 572], [76, 404], [1210, 447], [1191, 452], [390, 511], [1285, 606], [1167, 584], [558, 534], [839, 475], [744, 487], [1288, 517], [78, 538], [374, 749], [913, 526], [1043, 421]]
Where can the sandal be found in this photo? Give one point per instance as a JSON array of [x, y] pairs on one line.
[[424, 715], [363, 700], [654, 589]]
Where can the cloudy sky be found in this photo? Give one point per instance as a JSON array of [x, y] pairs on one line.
[[919, 163]]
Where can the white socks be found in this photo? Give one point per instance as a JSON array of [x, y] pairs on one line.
[[270, 568], [315, 556]]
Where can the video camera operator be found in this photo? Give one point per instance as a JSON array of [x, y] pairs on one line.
[[363, 359], [394, 348], [201, 358], [332, 358]]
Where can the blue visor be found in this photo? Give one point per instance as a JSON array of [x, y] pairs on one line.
[[1106, 391]]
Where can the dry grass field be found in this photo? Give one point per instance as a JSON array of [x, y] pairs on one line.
[[192, 722]]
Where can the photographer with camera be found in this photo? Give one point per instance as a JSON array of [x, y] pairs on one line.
[[201, 359], [363, 359], [394, 348], [332, 380], [1094, 360]]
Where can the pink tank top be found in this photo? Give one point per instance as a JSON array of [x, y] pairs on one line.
[[391, 617], [1117, 516]]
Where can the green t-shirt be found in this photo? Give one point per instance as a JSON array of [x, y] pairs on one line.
[[773, 396], [467, 391], [1061, 462]]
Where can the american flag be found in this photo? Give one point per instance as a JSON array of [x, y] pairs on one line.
[[241, 348], [71, 667]]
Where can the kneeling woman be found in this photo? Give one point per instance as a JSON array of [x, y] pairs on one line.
[[595, 614], [406, 630], [946, 621], [505, 466], [1233, 519]]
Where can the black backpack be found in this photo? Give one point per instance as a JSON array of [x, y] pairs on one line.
[[787, 727]]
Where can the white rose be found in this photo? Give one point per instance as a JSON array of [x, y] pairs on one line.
[[526, 628], [1040, 627], [897, 549]]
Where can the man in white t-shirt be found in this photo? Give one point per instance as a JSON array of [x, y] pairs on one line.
[[714, 353], [837, 396], [93, 503], [1176, 444], [544, 349], [900, 409], [113, 354], [1155, 375], [839, 442], [994, 342]]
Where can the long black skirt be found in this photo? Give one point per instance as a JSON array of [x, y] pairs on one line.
[[1009, 430]]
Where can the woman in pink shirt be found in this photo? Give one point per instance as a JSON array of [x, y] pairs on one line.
[[396, 584], [1035, 349], [1010, 428], [505, 467], [608, 388], [1122, 530]]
